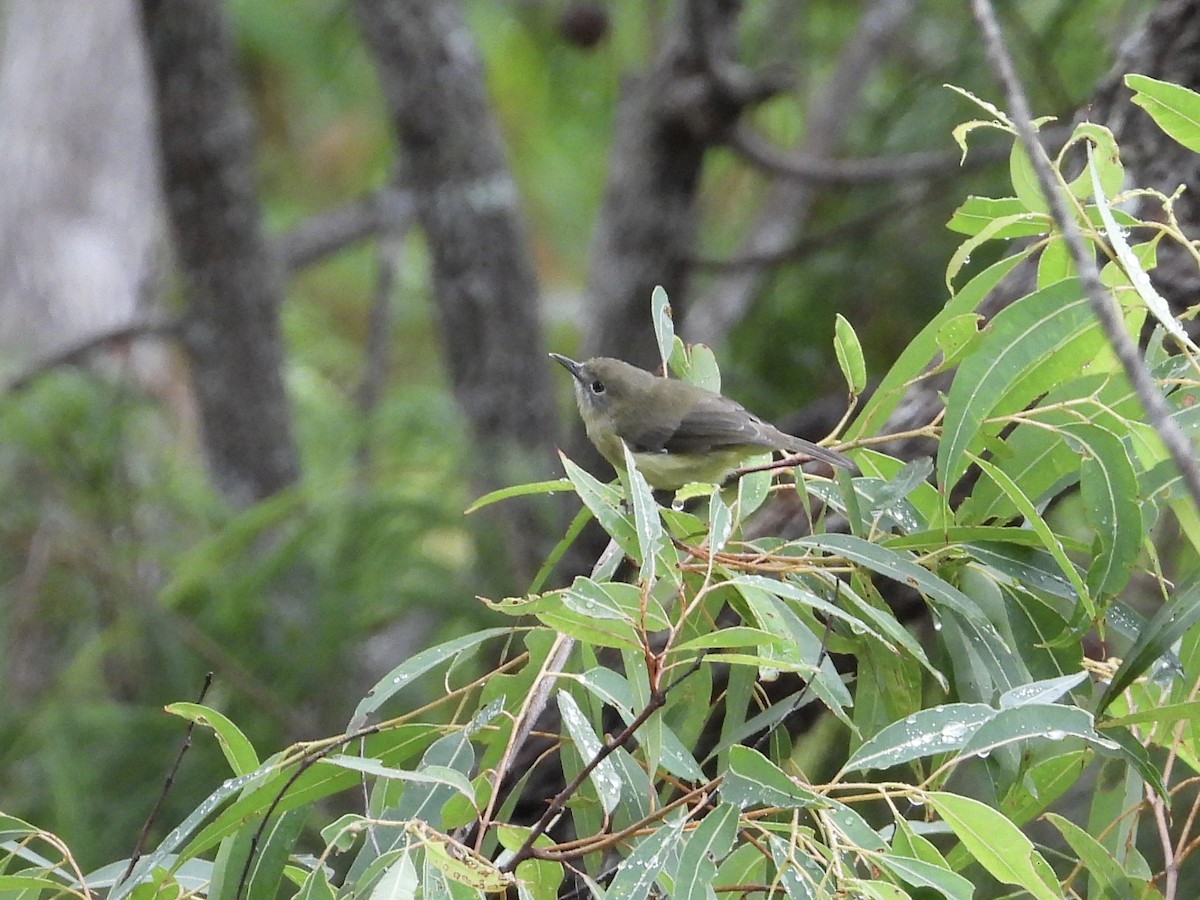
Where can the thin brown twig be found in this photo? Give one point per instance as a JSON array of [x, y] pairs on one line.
[[657, 699], [167, 783], [582, 847], [923, 164], [331, 231]]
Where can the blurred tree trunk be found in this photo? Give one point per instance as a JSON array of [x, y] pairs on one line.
[[232, 275], [484, 283], [80, 227], [80, 236]]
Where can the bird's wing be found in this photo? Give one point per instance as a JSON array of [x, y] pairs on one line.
[[712, 422]]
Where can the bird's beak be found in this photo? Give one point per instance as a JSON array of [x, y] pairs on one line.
[[576, 369]]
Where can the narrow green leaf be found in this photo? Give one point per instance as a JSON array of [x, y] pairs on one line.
[[733, 636], [18, 884], [274, 848], [990, 232], [560, 549], [1045, 691], [1158, 715], [921, 874], [1110, 505], [637, 873], [1173, 618], [616, 600], [900, 567], [996, 844], [1033, 519], [664, 327], [849, 354], [1038, 458], [1053, 722], [1138, 760], [941, 729], [1024, 180], [236, 747], [720, 521], [753, 780], [703, 370], [708, 844], [804, 596], [613, 688], [853, 826], [1043, 782], [915, 358], [538, 879], [1155, 302], [646, 523], [1175, 109], [1054, 264], [1106, 165], [1097, 861], [604, 777], [606, 503], [800, 876], [553, 486], [316, 886], [413, 668], [442, 775], [399, 882], [1031, 346], [976, 213], [957, 336]]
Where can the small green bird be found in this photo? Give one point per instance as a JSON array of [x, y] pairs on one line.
[[677, 432]]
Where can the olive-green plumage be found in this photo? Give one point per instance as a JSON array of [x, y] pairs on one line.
[[678, 432]]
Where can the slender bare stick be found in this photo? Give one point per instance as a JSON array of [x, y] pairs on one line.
[[166, 788]]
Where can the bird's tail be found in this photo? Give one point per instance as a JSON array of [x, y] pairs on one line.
[[816, 451]]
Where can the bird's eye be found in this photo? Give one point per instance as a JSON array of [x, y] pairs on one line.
[[597, 387]]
